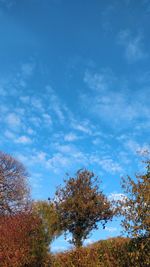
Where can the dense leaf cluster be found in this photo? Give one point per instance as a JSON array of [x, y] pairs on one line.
[[136, 206], [21, 240], [80, 205]]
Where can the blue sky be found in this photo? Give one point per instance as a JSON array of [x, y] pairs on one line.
[[75, 90]]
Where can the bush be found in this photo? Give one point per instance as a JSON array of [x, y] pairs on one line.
[[21, 241], [138, 252], [118, 252]]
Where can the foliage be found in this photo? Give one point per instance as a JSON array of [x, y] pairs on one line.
[[14, 192], [136, 206], [21, 241], [49, 218], [80, 205], [118, 252]]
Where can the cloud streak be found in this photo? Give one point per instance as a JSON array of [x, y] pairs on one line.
[[111, 102], [133, 45]]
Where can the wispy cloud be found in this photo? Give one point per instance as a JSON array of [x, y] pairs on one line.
[[110, 229], [10, 135], [117, 196], [133, 45], [25, 99], [136, 147], [8, 3], [88, 241], [37, 104], [70, 137], [23, 140], [27, 69], [110, 166], [55, 104], [109, 100], [100, 81], [107, 164], [58, 162], [84, 126], [13, 120]]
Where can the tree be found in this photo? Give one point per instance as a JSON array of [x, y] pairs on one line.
[[49, 218], [80, 205], [14, 191], [136, 206]]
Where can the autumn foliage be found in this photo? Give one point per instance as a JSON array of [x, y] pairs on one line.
[[136, 206], [115, 252], [21, 241], [27, 228], [81, 205]]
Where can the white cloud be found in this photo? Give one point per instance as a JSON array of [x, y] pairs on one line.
[[35, 181], [59, 112], [117, 196], [23, 140], [111, 107], [9, 134], [107, 164], [37, 103], [64, 148], [99, 81], [88, 241], [69, 155], [95, 81], [113, 103], [96, 141], [58, 248], [47, 119], [13, 120], [84, 126], [70, 137], [30, 131], [80, 158], [36, 121], [133, 45], [27, 69], [135, 147], [110, 166], [110, 229], [25, 99], [55, 104], [64, 157], [57, 162]]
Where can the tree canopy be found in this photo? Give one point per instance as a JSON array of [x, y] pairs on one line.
[[47, 213], [136, 206], [14, 190], [80, 205]]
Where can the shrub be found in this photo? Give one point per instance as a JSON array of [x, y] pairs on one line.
[[21, 241], [115, 252]]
